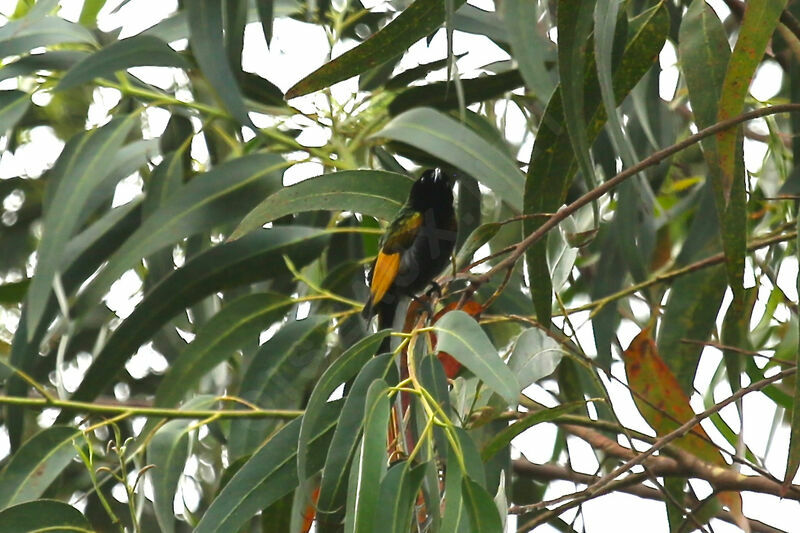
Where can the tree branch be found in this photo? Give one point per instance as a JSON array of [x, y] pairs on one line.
[[609, 185], [153, 412], [683, 464], [549, 472]]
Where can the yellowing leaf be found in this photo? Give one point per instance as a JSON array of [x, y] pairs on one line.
[[663, 404]]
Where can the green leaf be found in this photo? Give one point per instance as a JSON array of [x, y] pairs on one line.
[[221, 195], [561, 254], [20, 36], [398, 496], [256, 257], [345, 367], [529, 47], [758, 25], [455, 516], [415, 22], [460, 335], [442, 96], [405, 78], [84, 253], [332, 491], [43, 515], [504, 438], [573, 32], [89, 12], [727, 173], [371, 192], [691, 313], [535, 356], [278, 375], [14, 292], [704, 54], [83, 165], [265, 13], [793, 459], [37, 463], [451, 141], [51, 60], [168, 450], [474, 241], [237, 323], [270, 473], [13, 106], [208, 47], [552, 162], [479, 503], [136, 51], [369, 464]]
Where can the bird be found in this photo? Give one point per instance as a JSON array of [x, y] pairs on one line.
[[415, 247]]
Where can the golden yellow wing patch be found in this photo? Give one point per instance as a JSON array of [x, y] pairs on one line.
[[386, 267]]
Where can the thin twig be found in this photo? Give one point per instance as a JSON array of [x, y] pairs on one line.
[[154, 412], [549, 472], [720, 478]]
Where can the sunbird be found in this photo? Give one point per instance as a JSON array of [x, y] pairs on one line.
[[415, 247]]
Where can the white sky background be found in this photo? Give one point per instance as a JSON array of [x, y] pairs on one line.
[[297, 49]]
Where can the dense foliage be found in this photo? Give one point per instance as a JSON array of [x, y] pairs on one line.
[[183, 267]]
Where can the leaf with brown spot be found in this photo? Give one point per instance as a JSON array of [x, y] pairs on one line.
[[665, 406]]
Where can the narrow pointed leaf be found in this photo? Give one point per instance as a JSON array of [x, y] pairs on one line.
[[208, 47], [169, 450], [451, 141], [136, 51], [265, 14], [370, 462], [480, 506], [13, 105], [530, 48], [665, 406], [460, 335], [333, 486], [398, 495], [574, 28], [345, 367], [43, 515], [442, 96], [83, 165], [758, 25], [504, 438], [553, 163], [415, 22], [22, 35], [51, 60], [210, 199], [278, 377], [793, 459], [256, 257], [269, 474], [235, 324], [370, 192], [37, 464]]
